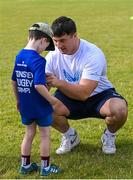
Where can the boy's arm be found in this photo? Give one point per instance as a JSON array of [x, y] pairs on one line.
[[58, 106], [48, 87], [45, 93], [15, 90]]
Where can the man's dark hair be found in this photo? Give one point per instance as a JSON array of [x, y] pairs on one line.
[[36, 34], [63, 25]]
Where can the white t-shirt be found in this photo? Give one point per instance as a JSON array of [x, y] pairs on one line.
[[87, 63]]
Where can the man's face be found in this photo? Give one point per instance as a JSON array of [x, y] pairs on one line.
[[66, 43]]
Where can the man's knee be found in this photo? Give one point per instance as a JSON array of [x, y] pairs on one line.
[[115, 109], [64, 110], [119, 110], [61, 110], [122, 112]]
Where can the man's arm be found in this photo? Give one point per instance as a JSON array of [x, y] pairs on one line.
[[79, 91]]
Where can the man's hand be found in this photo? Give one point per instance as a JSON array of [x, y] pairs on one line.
[[52, 80]]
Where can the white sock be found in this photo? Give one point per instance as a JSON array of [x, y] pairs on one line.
[[69, 132], [108, 132], [27, 166], [47, 168]]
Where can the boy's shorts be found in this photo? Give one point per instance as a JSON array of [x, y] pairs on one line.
[[90, 107], [47, 121]]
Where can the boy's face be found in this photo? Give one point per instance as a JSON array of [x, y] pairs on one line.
[[66, 43]]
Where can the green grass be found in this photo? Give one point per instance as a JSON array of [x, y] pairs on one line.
[[103, 22]]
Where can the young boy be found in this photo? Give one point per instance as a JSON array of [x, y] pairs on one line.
[[34, 102]]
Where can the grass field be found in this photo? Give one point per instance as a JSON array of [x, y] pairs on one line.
[[107, 24]]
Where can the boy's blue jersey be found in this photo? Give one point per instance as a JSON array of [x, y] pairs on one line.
[[29, 70]]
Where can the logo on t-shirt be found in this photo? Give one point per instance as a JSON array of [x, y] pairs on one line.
[[71, 78], [24, 81]]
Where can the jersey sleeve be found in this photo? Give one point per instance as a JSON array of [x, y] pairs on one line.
[[95, 68], [39, 72]]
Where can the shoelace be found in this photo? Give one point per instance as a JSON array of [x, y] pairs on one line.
[[109, 140], [64, 142]]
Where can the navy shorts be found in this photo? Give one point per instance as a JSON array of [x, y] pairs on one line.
[[90, 107], [47, 121]]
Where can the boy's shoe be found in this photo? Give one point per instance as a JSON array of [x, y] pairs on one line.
[[108, 143], [33, 167], [52, 169], [68, 143]]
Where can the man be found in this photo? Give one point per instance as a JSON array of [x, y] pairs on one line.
[[77, 69]]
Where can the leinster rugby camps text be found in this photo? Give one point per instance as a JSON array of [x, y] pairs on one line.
[[24, 81]]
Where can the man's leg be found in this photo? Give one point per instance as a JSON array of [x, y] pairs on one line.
[[115, 110], [70, 138], [60, 123]]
